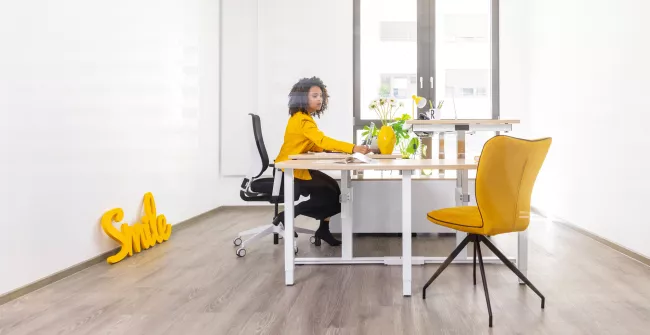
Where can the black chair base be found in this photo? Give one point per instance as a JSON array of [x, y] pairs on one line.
[[477, 239]]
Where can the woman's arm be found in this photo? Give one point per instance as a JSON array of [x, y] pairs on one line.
[[323, 142], [316, 148]]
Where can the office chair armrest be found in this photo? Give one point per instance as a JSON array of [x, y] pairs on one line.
[[277, 184]]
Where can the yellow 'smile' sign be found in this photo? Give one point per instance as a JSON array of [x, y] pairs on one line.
[[153, 229]]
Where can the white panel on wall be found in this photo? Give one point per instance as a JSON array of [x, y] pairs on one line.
[[296, 39], [239, 96], [375, 212]]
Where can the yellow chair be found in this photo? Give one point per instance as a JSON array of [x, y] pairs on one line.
[[505, 178]]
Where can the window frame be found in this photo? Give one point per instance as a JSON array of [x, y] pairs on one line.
[[426, 67]]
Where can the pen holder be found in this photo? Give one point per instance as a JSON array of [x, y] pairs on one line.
[[434, 113]]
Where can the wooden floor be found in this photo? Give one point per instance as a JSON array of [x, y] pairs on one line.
[[195, 284]]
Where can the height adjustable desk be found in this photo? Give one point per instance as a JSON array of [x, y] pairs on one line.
[[462, 127], [407, 166]]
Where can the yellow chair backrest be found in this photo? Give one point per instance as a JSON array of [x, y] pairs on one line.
[[507, 170]]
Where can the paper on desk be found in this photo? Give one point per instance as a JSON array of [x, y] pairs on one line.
[[357, 158]]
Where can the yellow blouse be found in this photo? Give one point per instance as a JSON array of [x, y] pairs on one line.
[[301, 136]]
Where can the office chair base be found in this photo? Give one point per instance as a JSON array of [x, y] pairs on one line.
[[241, 252], [259, 232], [477, 239]]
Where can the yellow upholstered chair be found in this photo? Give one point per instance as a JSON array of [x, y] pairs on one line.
[[507, 170]]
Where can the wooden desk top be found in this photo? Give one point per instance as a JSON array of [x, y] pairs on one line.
[[461, 121], [381, 164], [336, 155]]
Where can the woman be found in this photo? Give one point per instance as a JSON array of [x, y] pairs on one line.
[[308, 98]]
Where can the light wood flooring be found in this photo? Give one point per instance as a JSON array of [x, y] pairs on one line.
[[195, 284]]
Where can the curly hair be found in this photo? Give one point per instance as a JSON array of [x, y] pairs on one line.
[[299, 99]]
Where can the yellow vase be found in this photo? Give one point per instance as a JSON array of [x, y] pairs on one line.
[[386, 140]]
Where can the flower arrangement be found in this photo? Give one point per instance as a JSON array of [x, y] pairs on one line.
[[386, 108], [406, 141]]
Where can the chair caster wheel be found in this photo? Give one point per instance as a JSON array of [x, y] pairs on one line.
[[241, 252], [237, 241], [312, 239]]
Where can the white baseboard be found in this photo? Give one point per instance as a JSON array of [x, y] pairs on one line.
[[623, 250]]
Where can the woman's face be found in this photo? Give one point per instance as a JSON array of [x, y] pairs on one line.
[[315, 99]]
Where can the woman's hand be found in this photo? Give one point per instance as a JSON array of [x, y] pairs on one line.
[[363, 149]]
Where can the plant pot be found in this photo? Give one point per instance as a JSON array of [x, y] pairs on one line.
[[386, 140]]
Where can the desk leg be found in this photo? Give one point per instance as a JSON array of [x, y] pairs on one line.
[[346, 215], [462, 199], [441, 149], [406, 232], [288, 227], [522, 253]]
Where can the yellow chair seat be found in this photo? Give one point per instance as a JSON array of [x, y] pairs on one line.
[[466, 219]]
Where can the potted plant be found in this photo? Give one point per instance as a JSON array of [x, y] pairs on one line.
[[409, 144], [386, 109]]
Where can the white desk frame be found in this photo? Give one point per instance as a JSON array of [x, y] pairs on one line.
[[407, 259]]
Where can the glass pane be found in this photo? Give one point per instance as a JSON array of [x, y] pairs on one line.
[[388, 52], [463, 58], [473, 144]]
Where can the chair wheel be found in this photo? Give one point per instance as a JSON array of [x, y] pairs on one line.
[[312, 239], [241, 252], [237, 241]]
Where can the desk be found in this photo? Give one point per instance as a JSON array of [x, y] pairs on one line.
[[406, 166], [426, 128], [335, 155]]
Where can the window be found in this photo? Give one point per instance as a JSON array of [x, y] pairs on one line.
[[390, 31], [397, 86], [438, 49], [459, 28], [463, 50], [387, 47]]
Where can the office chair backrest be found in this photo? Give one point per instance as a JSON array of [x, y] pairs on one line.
[[507, 170], [260, 161]]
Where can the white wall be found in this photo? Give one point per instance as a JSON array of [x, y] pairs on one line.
[[101, 102], [589, 79], [514, 64], [282, 41]]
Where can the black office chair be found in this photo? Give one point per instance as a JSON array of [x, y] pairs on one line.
[[268, 189]]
